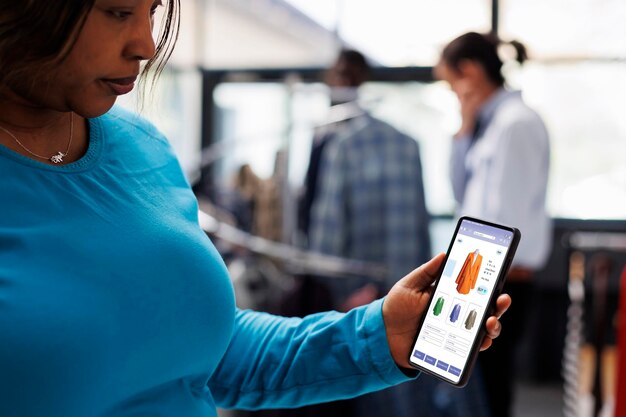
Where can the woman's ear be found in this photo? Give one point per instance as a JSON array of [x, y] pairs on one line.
[[470, 69]]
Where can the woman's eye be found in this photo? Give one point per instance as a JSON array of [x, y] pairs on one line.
[[119, 14]]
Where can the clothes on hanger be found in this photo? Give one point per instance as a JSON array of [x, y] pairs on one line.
[[466, 280], [266, 199], [370, 203], [337, 125], [470, 320], [320, 140], [438, 306], [454, 314]]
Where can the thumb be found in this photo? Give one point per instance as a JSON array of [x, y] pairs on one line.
[[422, 277]]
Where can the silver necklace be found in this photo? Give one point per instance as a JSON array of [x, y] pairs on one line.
[[57, 158]]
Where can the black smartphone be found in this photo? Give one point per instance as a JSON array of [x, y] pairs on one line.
[[471, 278]]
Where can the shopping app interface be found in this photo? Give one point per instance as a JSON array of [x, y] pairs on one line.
[[462, 297]]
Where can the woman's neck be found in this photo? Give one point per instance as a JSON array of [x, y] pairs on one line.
[[486, 91], [28, 128], [23, 116]]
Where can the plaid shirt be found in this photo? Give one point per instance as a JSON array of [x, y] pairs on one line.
[[369, 202]]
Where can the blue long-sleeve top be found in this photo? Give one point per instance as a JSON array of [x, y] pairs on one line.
[[113, 302]]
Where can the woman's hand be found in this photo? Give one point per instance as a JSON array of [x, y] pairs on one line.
[[470, 102], [406, 303]]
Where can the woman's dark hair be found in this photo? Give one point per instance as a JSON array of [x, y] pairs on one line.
[[167, 40], [483, 49], [41, 33]]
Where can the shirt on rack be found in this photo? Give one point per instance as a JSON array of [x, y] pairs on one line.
[[502, 175], [370, 203], [324, 134]]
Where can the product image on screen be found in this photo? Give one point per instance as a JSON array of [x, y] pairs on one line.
[[461, 299]]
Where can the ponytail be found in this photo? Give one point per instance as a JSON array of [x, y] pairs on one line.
[[484, 49], [520, 49]]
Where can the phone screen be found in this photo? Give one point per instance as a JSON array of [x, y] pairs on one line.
[[461, 299]]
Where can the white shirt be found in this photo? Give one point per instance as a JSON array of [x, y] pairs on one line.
[[503, 176]]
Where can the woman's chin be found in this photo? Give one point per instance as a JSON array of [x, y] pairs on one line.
[[97, 109]]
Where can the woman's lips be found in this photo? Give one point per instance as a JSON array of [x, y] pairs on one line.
[[121, 86]]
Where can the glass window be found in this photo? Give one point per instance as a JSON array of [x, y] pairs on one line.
[[257, 120], [251, 126], [254, 121], [582, 105], [566, 28], [577, 82]]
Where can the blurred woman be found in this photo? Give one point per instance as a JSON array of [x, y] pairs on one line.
[[499, 170]]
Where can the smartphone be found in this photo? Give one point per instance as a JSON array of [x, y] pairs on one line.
[[471, 278]]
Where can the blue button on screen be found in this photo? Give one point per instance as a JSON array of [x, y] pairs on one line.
[[454, 371], [442, 365], [418, 354], [430, 360]]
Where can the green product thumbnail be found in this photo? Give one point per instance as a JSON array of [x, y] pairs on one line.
[[438, 306]]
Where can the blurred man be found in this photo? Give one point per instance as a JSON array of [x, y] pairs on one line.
[[367, 203]]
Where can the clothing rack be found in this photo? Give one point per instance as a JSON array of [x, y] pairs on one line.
[[620, 404], [296, 260], [577, 243], [595, 241]]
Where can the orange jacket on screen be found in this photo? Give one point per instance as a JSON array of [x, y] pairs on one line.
[[469, 273]]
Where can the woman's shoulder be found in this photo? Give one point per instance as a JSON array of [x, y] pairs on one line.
[[514, 115], [131, 138], [122, 122], [516, 108]]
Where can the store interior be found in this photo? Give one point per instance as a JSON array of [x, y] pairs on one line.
[[244, 93]]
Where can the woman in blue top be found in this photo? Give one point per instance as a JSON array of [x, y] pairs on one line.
[[113, 302]]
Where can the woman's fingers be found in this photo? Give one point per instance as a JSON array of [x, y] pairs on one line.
[[502, 304], [493, 325]]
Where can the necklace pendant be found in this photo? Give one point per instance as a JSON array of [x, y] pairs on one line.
[[58, 158]]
